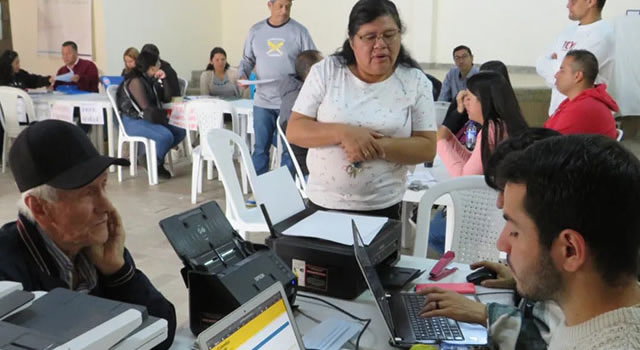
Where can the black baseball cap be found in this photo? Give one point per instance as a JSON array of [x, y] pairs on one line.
[[58, 154]]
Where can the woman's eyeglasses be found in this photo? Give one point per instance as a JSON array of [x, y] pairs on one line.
[[389, 37]]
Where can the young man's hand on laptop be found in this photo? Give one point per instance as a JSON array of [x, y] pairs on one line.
[[439, 302]]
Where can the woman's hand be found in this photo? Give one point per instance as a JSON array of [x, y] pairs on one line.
[[359, 143], [444, 133], [440, 302], [504, 279], [160, 74], [460, 100]]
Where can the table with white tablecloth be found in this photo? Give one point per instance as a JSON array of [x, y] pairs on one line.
[[46, 104], [377, 335]]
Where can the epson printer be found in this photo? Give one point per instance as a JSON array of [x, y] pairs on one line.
[[221, 270], [322, 266]]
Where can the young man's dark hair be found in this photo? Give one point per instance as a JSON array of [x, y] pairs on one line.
[[601, 4], [513, 144], [304, 61], [586, 183], [151, 48], [73, 45], [586, 62], [462, 47]]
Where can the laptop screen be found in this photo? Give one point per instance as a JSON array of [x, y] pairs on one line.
[[265, 326], [371, 277]]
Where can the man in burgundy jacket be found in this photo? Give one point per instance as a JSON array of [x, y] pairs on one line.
[[85, 72], [588, 107]]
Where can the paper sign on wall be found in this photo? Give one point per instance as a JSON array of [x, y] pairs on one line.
[[91, 114], [62, 111]]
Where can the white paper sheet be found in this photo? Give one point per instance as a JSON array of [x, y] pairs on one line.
[[336, 227], [64, 77], [91, 114], [255, 82], [21, 112], [62, 111], [421, 176], [331, 334]]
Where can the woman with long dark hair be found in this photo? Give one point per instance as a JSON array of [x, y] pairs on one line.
[[12, 75], [140, 99], [365, 113], [490, 101], [219, 79], [457, 119]]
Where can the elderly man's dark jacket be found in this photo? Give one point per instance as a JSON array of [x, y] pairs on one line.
[[25, 259]]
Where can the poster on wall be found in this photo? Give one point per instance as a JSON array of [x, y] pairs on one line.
[[63, 20]]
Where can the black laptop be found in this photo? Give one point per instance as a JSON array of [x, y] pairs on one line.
[[401, 312]]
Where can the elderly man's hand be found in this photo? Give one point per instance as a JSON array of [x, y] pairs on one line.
[[75, 78], [109, 257], [504, 279], [440, 302], [359, 144]]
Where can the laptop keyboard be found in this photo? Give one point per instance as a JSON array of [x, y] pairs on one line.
[[430, 328]]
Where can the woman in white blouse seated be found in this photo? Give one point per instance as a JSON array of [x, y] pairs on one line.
[[365, 113], [219, 79]]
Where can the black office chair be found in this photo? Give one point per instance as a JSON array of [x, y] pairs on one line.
[[437, 85]]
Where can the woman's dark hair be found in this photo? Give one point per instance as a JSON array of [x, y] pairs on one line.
[[500, 108], [213, 53], [366, 11], [6, 69], [498, 67], [145, 60]]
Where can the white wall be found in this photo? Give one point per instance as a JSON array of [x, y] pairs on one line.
[[506, 29], [24, 31], [184, 31], [513, 31]]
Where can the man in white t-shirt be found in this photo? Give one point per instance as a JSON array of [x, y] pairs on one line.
[[590, 32], [571, 236]]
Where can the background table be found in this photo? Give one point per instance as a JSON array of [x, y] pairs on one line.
[[412, 198], [376, 336], [99, 100]]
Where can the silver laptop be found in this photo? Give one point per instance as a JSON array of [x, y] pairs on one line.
[[401, 311], [265, 322]]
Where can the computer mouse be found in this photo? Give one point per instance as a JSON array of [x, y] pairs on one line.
[[480, 275]]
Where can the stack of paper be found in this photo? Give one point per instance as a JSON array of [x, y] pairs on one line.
[[336, 227]]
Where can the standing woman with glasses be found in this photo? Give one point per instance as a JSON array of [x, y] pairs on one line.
[[365, 113]]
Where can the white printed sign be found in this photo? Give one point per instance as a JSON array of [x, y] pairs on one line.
[[176, 115], [62, 111], [91, 114], [21, 114]]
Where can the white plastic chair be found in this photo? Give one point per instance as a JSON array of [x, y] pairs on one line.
[[477, 222], [301, 183], [221, 143], [9, 116], [184, 85], [619, 134], [149, 145], [209, 116]]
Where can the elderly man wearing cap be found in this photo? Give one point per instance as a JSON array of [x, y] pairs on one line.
[[68, 234]]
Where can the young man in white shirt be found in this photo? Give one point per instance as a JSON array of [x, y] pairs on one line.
[[589, 32]]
